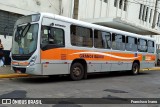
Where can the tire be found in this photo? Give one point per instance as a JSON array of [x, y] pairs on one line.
[[135, 68], [77, 71]]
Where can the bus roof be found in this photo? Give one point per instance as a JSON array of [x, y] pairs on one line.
[[94, 26]]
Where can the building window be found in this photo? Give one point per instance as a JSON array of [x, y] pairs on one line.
[[102, 39], [146, 17], [81, 36], [115, 3], [150, 16], [120, 4], [140, 12], [125, 5], [131, 44], [158, 19], [143, 14], [118, 42], [106, 1]]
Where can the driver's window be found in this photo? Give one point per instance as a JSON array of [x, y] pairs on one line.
[[52, 36], [56, 36], [44, 35]]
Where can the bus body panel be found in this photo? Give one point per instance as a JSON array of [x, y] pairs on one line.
[[55, 63], [97, 61], [59, 60]]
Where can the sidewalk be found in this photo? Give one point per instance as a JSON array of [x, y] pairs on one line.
[[6, 70]]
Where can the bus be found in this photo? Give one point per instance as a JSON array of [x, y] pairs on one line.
[[49, 44]]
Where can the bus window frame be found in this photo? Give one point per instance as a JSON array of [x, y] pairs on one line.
[[142, 45], [91, 36], [118, 42], [152, 47], [102, 39], [51, 46], [127, 37]]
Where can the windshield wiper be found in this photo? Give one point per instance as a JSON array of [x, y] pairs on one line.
[[20, 32], [28, 25], [23, 29]]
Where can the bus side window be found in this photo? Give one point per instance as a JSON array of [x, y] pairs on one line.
[[113, 41], [131, 43], [107, 40], [44, 35], [98, 39], [81, 36], [56, 36], [151, 46], [52, 37], [118, 41], [142, 45]]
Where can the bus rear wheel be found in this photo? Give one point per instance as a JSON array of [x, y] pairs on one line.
[[135, 68], [77, 71]]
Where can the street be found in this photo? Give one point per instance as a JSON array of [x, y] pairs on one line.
[[110, 85]]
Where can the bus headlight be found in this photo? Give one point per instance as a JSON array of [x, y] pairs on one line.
[[32, 61]]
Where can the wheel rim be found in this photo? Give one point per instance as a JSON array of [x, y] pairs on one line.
[[77, 71], [135, 69]]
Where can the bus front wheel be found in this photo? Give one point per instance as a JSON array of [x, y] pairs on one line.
[[77, 71], [135, 68]]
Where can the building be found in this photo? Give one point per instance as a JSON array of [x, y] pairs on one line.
[[11, 10], [137, 16]]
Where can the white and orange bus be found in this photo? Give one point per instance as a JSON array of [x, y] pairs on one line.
[[48, 44]]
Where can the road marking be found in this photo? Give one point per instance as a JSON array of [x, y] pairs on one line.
[[13, 75]]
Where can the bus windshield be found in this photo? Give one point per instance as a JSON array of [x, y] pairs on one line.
[[25, 39]]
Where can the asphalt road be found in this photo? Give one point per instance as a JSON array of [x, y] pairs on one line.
[[114, 85]]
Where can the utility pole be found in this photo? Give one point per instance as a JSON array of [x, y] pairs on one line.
[[155, 15]]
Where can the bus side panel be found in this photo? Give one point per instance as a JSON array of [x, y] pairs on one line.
[[55, 69], [94, 66], [54, 61], [148, 61], [120, 61]]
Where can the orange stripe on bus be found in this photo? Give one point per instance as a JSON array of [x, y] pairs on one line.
[[71, 54]]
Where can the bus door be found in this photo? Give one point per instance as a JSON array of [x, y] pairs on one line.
[[53, 53]]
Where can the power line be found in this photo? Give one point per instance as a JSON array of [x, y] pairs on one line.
[[53, 6]]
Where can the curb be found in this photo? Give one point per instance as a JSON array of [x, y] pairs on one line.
[[13, 75], [151, 69]]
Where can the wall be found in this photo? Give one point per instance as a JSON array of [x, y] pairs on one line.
[[94, 9], [26, 7], [7, 42], [67, 8]]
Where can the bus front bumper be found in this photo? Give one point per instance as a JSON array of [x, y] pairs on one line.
[[33, 70]]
